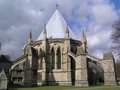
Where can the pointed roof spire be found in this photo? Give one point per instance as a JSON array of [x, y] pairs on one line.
[[67, 32], [83, 38], [45, 31], [30, 37], [30, 34], [67, 29]]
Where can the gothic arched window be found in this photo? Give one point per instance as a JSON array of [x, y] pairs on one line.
[[58, 59], [53, 58]]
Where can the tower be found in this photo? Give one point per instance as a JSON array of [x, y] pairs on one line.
[[30, 37]]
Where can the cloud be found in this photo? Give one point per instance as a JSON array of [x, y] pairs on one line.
[[102, 13], [102, 16], [18, 17]]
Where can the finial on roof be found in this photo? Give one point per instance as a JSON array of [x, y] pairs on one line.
[[57, 6]]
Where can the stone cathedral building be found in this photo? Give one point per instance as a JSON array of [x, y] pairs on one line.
[[57, 58]]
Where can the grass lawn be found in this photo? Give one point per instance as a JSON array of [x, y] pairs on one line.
[[70, 88]]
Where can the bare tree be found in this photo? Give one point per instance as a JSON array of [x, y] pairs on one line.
[[116, 37], [116, 46]]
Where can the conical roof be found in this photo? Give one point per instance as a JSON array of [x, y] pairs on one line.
[[56, 27]]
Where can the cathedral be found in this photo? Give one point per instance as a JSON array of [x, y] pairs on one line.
[[58, 58]]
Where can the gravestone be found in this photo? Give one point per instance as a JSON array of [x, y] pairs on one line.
[[3, 81]]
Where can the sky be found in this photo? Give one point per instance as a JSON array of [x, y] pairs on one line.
[[17, 17]]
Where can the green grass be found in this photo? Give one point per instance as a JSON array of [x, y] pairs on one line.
[[71, 88]]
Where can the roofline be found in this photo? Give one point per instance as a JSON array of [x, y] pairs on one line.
[[57, 39], [19, 58]]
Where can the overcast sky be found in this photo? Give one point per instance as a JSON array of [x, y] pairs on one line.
[[17, 17]]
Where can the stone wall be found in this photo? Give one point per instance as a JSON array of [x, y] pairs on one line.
[[109, 69]]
